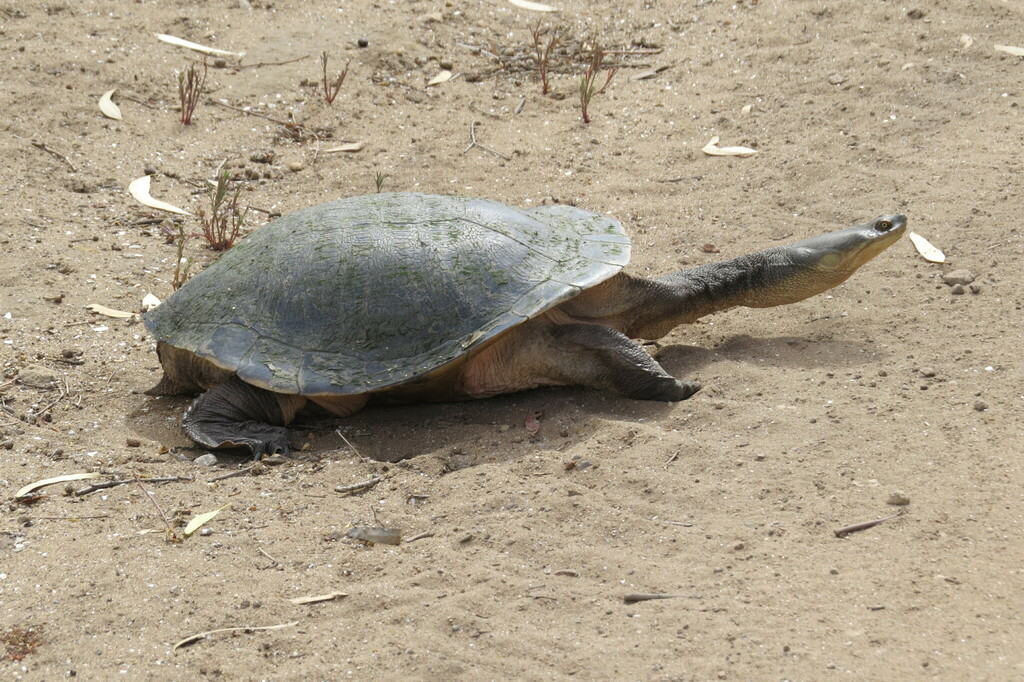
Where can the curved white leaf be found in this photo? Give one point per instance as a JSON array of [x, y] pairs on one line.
[[1009, 49], [107, 106], [139, 188], [926, 249], [712, 149], [181, 42], [532, 6], [197, 521], [58, 479], [442, 77]]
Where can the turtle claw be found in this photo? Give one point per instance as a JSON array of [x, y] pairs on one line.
[[223, 417]]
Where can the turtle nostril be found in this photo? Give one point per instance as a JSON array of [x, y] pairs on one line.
[[883, 225]]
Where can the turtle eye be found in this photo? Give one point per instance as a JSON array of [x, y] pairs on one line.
[[883, 226]]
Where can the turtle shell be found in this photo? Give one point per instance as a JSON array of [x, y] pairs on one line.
[[364, 293]]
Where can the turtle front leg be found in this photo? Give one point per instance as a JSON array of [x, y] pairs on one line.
[[235, 414], [600, 357]]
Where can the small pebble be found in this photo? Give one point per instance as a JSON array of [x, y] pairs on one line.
[[133, 442], [957, 289], [962, 277], [295, 166], [37, 375], [979, 405], [207, 460], [898, 499], [927, 372], [7, 445], [738, 546], [974, 289], [363, 42], [206, 531]]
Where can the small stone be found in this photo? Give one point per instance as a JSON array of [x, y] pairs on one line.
[[446, 64], [38, 376], [979, 405], [7, 445], [898, 499], [738, 546], [836, 79], [133, 442], [882, 373], [206, 531], [974, 289], [833, 571], [958, 289], [927, 372], [363, 42], [295, 166], [207, 460], [916, 14], [262, 157], [963, 277]]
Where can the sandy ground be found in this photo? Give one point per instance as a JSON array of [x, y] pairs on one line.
[[812, 415]]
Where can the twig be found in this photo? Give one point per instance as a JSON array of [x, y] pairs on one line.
[[352, 447], [674, 457], [103, 485], [264, 553], [170, 530], [232, 474], [71, 518], [634, 597], [241, 628], [258, 64], [286, 124], [679, 523], [421, 536], [362, 485], [39, 145], [474, 143], [863, 525]]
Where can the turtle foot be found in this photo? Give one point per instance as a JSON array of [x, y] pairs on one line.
[[238, 415]]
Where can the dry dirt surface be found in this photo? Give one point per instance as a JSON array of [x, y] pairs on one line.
[[518, 549]]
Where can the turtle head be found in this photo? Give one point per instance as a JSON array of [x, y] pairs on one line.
[[802, 269]]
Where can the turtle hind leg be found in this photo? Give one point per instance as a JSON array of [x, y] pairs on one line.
[[235, 414], [601, 357]]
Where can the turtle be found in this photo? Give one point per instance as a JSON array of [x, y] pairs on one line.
[[407, 297]]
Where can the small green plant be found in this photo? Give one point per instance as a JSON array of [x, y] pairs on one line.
[[190, 87], [378, 180], [331, 87], [224, 224], [542, 51], [588, 81], [183, 264]]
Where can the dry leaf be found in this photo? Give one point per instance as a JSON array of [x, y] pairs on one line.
[[747, 108], [149, 301], [181, 42], [926, 249], [241, 628], [966, 41], [197, 522], [351, 147], [442, 77], [59, 479], [319, 598], [532, 6], [107, 106], [1009, 49], [109, 312], [139, 188], [712, 149], [644, 75]]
